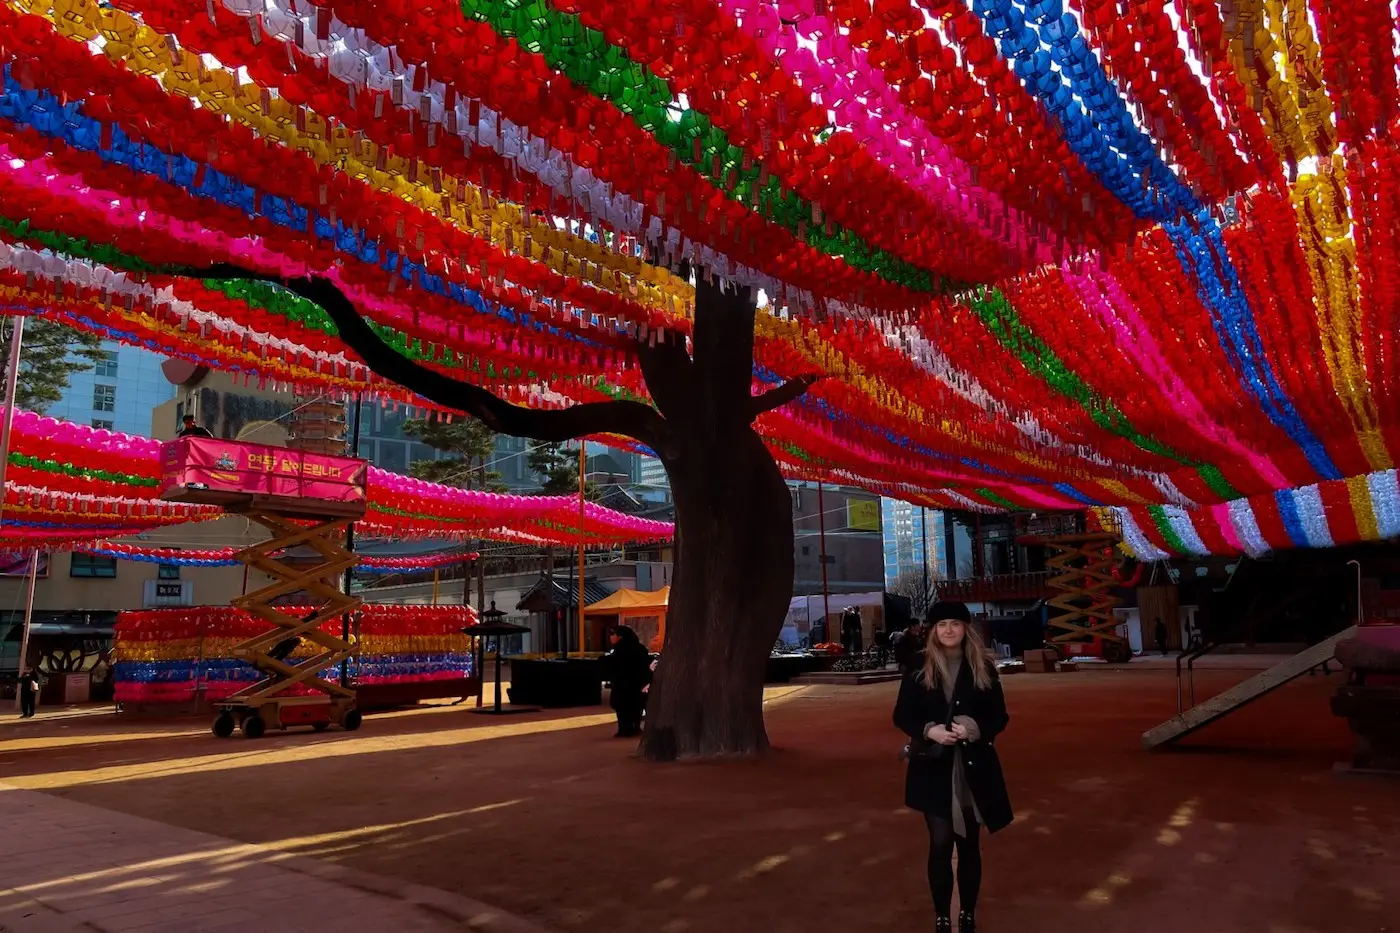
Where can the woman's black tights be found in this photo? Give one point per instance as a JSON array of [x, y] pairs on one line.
[[942, 840]]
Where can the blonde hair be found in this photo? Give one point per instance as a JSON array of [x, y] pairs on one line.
[[975, 656]]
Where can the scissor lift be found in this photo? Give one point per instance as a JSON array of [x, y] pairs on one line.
[[1082, 565], [300, 513], [268, 702]]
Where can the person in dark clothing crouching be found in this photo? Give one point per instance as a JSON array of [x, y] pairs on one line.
[[952, 707], [628, 669]]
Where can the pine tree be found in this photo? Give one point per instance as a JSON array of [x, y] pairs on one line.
[[557, 467], [470, 445], [45, 360]]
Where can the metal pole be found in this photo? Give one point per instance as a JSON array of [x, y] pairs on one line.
[[582, 483], [350, 542], [28, 619], [435, 586], [821, 526], [498, 674], [978, 558], [480, 650], [7, 419], [468, 569], [11, 387], [923, 532]]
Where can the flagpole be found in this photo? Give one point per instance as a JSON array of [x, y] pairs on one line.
[[11, 387]]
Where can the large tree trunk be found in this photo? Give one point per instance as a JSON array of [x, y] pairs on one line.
[[733, 558], [729, 594]]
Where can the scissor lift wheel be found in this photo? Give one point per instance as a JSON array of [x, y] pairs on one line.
[[284, 712]]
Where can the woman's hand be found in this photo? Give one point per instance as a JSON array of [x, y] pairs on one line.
[[966, 729], [940, 734]]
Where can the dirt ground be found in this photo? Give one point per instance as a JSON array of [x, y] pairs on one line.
[[1243, 830]]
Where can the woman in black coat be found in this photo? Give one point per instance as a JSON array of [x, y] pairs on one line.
[[628, 668], [952, 708]]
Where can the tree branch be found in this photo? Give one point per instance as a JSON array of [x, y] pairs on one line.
[[630, 419], [723, 343], [668, 371], [787, 392]]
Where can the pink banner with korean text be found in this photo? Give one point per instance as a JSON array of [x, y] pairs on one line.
[[255, 469]]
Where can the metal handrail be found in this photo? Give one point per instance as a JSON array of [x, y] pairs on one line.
[[1205, 649], [1190, 659]]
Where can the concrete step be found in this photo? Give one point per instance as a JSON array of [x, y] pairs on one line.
[[1222, 704]]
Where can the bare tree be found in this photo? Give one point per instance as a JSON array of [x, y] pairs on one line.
[[734, 540], [917, 587]]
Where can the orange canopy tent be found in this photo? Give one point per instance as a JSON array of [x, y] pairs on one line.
[[644, 612]]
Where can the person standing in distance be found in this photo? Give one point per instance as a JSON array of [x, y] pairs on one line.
[[627, 667], [952, 707], [28, 694], [188, 428]]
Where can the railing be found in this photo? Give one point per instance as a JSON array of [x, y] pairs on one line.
[[998, 586], [1192, 652], [1199, 647]]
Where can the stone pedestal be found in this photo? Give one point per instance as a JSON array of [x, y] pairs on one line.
[[1374, 716], [1370, 701]]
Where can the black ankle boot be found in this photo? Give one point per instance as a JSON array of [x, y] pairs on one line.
[[943, 925], [965, 922]]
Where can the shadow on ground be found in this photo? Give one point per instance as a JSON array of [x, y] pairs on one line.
[[553, 819]]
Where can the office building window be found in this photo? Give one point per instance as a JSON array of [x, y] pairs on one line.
[[391, 423], [104, 398], [89, 565], [102, 424], [169, 572], [393, 457], [107, 366]]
